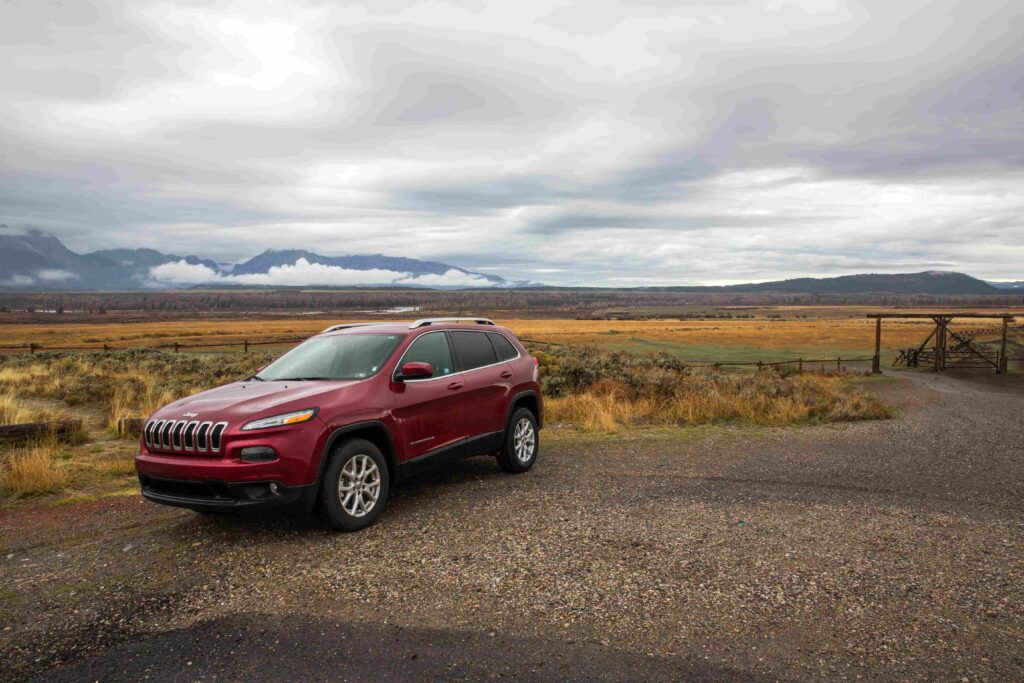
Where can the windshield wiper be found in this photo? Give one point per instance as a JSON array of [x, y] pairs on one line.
[[254, 377]]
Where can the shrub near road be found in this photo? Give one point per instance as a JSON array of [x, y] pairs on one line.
[[606, 391]]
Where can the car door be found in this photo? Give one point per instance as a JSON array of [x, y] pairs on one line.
[[487, 383], [428, 411]]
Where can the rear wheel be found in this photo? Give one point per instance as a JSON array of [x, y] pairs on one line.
[[354, 487], [521, 442]]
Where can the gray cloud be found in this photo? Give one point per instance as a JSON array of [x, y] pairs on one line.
[[609, 143]]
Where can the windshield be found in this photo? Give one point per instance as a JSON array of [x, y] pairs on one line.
[[342, 356]]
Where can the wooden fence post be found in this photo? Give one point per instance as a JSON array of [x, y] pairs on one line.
[[759, 366], [175, 347], [246, 347], [876, 362], [1002, 350], [32, 348], [839, 364], [800, 366]]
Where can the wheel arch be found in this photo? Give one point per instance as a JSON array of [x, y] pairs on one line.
[[525, 399], [374, 431]]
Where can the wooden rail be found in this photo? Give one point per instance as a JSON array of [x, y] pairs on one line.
[[177, 346]]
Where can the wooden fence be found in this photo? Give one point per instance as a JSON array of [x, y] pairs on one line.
[[836, 364]]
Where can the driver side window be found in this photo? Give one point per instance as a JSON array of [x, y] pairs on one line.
[[431, 348]]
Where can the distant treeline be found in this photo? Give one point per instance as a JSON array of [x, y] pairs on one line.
[[563, 301]]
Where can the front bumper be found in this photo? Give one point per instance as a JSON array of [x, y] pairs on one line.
[[214, 495]]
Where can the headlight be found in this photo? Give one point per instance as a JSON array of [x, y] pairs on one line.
[[282, 420]]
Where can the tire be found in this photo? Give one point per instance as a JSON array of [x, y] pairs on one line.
[[521, 442], [359, 467]]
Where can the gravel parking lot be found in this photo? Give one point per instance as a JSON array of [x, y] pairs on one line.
[[878, 549]]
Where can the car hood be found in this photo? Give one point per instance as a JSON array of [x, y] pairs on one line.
[[251, 400]]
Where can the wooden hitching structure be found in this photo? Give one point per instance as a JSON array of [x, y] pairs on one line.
[[944, 347]]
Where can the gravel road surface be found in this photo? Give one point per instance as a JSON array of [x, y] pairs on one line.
[[869, 550]]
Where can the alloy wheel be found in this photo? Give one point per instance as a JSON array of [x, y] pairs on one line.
[[524, 440], [359, 485]]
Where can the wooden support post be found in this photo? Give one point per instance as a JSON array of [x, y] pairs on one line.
[[246, 349], [175, 347], [130, 426], [32, 348], [839, 364], [940, 335], [1002, 349], [800, 366], [876, 361]]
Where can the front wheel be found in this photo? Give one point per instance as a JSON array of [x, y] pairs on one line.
[[354, 488], [521, 442]]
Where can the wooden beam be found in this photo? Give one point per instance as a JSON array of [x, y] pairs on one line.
[[34, 430], [1001, 368], [993, 316], [130, 426], [876, 362]]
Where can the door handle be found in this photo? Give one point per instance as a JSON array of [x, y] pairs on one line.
[[454, 386], [506, 374]]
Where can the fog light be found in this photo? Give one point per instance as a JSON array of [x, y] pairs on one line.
[[258, 454], [273, 489]]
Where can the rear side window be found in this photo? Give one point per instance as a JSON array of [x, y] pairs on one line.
[[502, 346], [431, 348], [473, 349]]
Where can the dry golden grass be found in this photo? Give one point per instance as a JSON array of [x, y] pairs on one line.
[[115, 465], [13, 411], [610, 405], [126, 384], [33, 470], [809, 327]]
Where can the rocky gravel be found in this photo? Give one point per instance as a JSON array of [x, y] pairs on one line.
[[866, 550]]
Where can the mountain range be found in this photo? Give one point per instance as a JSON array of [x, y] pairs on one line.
[[928, 282], [38, 261], [41, 262]]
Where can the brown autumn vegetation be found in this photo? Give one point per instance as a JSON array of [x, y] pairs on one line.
[[590, 388], [601, 391]]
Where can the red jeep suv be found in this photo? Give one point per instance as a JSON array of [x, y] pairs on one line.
[[333, 422]]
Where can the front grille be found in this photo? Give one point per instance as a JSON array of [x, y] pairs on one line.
[[183, 436]]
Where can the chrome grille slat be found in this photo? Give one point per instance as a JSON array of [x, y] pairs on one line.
[[216, 436], [188, 439], [202, 437], [176, 430], [165, 434]]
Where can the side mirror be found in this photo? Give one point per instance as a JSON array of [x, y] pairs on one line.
[[415, 370]]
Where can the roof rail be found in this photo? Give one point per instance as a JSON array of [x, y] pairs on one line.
[[423, 322], [344, 326]]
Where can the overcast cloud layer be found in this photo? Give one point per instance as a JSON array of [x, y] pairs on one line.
[[568, 143]]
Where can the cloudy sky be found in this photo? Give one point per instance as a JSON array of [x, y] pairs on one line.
[[615, 143]]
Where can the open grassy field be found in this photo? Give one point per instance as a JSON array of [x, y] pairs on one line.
[[773, 333], [600, 375]]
